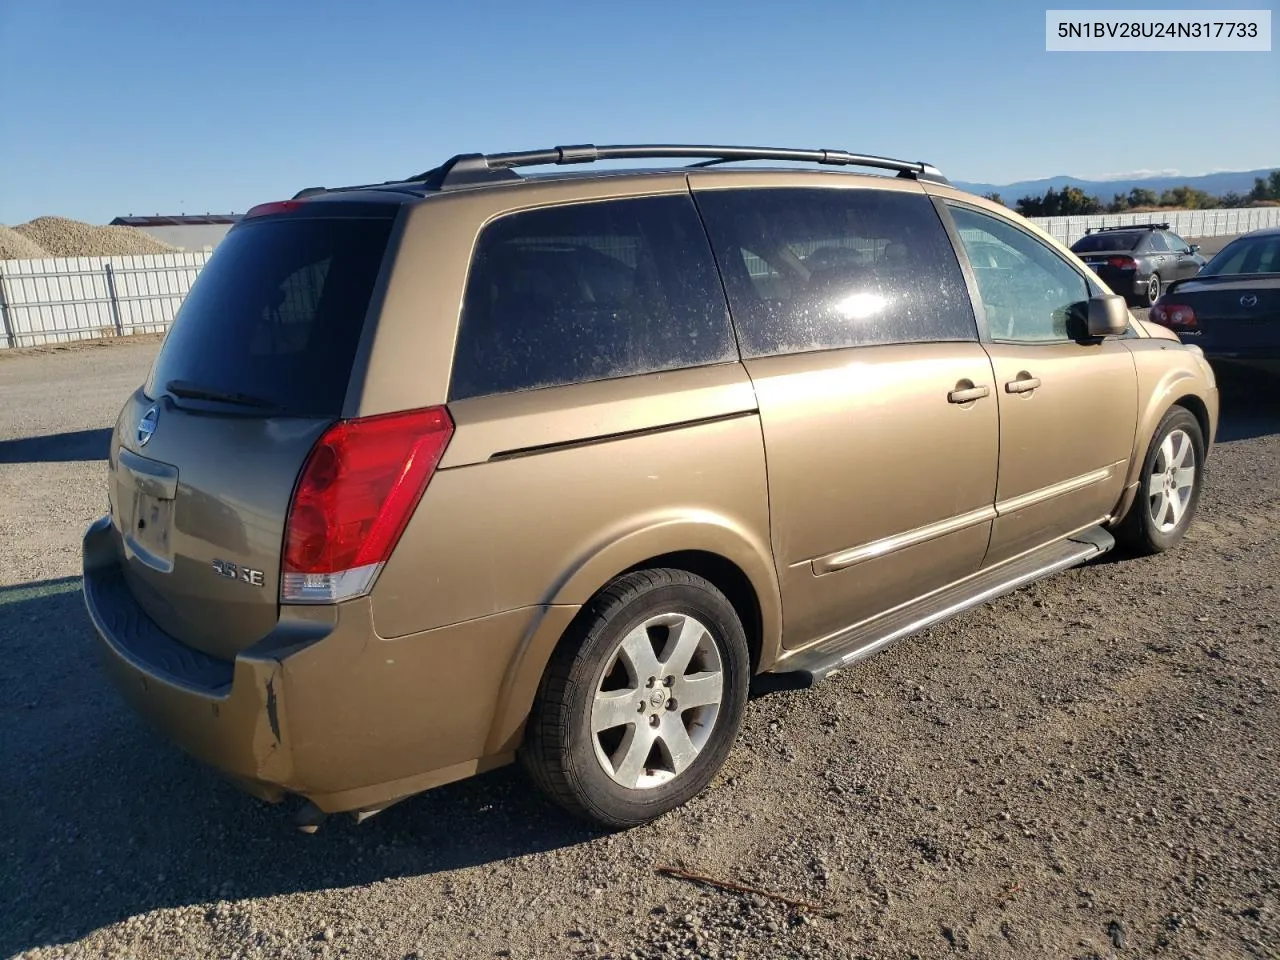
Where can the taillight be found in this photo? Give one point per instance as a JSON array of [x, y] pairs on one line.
[[359, 487], [1122, 263], [1176, 316]]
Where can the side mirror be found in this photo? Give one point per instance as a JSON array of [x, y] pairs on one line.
[[1108, 315], [1195, 248]]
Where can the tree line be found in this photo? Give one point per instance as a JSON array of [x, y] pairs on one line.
[[1072, 201]]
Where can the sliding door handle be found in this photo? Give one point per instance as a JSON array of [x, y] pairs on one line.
[[966, 394], [1024, 383]]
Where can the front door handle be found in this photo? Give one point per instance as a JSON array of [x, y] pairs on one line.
[[966, 394], [1023, 383]]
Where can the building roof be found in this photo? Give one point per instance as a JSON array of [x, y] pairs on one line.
[[181, 220]]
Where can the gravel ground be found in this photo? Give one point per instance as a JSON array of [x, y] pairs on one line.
[[1084, 769]]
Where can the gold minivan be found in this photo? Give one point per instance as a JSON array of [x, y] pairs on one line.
[[434, 474]]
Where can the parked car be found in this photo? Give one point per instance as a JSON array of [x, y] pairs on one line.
[[1138, 261], [1231, 308], [435, 474]]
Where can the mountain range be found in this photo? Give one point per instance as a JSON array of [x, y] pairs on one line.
[[1214, 184]]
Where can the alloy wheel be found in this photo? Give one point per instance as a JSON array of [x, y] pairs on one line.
[[657, 701], [1172, 480]]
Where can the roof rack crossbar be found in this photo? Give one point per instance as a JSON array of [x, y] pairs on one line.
[[479, 167], [1128, 226]]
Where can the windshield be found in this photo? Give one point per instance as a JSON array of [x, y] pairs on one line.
[[1247, 255], [276, 314]]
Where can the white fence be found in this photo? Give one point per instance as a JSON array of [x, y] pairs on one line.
[[1185, 223], [79, 298]]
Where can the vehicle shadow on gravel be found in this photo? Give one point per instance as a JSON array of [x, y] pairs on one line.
[[1250, 403], [105, 820], [58, 447]]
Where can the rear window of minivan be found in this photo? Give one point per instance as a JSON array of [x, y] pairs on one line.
[[276, 314]]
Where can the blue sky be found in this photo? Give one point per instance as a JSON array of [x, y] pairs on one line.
[[142, 106]]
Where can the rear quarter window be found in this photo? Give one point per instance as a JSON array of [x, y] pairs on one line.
[[589, 291], [277, 312]]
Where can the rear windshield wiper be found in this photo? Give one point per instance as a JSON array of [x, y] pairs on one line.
[[190, 391]]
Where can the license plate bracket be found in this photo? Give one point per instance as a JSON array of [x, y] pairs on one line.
[[148, 535], [148, 490]]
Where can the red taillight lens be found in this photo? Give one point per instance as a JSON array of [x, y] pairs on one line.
[[358, 489], [1122, 263], [1176, 316]]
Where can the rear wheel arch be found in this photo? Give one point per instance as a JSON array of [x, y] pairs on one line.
[[734, 561], [727, 577], [719, 554]]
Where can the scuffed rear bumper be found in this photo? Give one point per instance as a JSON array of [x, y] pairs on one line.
[[322, 707], [224, 714]]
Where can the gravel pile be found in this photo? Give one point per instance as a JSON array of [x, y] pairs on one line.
[[62, 237], [15, 246]]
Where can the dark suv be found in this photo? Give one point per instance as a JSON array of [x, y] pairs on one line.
[[1140, 260]]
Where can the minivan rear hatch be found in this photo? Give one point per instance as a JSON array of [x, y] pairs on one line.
[[206, 454]]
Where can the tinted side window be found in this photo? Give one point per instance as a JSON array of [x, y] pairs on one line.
[[590, 291], [1176, 243], [818, 269], [1030, 293], [1156, 243]]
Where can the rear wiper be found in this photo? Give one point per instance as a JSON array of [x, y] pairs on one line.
[[190, 391]]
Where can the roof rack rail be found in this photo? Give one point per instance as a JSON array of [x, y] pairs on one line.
[[470, 168], [316, 191], [1129, 226]]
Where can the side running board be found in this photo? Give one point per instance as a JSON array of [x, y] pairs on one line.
[[821, 660]]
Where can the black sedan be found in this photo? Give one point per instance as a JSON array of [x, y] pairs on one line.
[[1138, 261], [1231, 308]]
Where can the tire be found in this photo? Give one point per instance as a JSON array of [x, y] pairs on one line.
[[1162, 510], [1154, 288], [584, 761]]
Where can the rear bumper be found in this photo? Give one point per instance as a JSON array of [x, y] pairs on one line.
[[1239, 354], [1265, 362], [1125, 282], [322, 707]]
